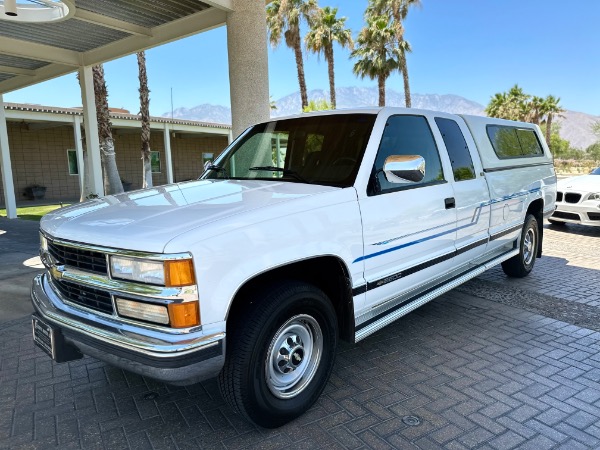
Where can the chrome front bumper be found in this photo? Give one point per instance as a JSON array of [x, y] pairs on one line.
[[173, 356]]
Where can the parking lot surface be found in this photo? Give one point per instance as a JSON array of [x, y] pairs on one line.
[[494, 364]]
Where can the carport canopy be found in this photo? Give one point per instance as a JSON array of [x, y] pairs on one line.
[[44, 39]]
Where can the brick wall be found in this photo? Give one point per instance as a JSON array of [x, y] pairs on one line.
[[40, 157], [187, 155]]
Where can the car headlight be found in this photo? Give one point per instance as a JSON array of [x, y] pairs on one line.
[[594, 196], [170, 273]]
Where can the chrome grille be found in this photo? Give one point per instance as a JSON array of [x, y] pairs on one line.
[[76, 257], [86, 296]]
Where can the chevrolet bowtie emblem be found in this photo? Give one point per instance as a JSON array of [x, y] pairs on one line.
[[57, 272]]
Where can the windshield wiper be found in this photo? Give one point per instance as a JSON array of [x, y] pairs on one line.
[[290, 172]]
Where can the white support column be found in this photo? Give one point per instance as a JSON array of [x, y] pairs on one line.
[[79, 150], [248, 64], [6, 166], [90, 121], [229, 137], [168, 157]]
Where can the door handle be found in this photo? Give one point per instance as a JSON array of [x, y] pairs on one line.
[[450, 202]]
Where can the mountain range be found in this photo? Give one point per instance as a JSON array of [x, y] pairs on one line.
[[574, 126]]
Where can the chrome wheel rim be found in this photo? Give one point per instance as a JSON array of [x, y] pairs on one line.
[[528, 246], [294, 356]]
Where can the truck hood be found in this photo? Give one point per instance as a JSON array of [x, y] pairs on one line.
[[585, 183], [148, 219]]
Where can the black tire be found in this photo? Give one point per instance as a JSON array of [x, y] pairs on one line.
[[279, 323], [557, 223], [521, 265]]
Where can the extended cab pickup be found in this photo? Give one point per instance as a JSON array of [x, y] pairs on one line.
[[305, 230]]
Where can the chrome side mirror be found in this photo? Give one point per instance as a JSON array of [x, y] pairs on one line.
[[404, 168]]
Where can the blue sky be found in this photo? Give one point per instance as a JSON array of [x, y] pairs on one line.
[[471, 48]]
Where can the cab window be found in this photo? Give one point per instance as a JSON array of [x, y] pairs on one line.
[[458, 150], [406, 135]]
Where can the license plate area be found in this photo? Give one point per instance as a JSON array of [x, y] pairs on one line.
[[52, 341]]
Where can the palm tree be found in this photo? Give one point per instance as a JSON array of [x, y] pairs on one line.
[[145, 117], [283, 19], [112, 181], [398, 10], [497, 106], [536, 108], [377, 53], [551, 109], [325, 29], [512, 105]]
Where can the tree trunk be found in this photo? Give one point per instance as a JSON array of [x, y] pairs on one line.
[[86, 192], [112, 181], [300, 66], [330, 64], [548, 129], [145, 117], [403, 66], [381, 83], [404, 69]]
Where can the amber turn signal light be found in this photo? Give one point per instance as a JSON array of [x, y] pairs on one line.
[[179, 273], [184, 315]]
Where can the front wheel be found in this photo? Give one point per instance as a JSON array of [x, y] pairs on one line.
[[280, 354], [521, 265]]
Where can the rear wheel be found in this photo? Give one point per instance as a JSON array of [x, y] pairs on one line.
[[280, 354], [521, 265]]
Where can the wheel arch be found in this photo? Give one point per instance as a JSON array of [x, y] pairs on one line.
[[329, 273], [536, 208]]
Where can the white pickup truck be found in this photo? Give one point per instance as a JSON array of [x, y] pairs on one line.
[[304, 231]]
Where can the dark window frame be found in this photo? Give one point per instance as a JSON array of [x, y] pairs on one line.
[[515, 128], [371, 187]]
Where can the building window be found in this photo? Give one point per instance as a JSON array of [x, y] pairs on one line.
[[155, 161], [72, 161]]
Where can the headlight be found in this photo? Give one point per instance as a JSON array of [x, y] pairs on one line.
[[170, 273], [594, 196], [144, 271]]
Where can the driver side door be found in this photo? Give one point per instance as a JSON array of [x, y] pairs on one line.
[[409, 228]]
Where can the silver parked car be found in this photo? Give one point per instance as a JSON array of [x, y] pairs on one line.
[[578, 200]]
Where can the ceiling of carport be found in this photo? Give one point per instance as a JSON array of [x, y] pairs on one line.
[[98, 31]]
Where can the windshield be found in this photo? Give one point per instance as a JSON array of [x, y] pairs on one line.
[[318, 150]]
